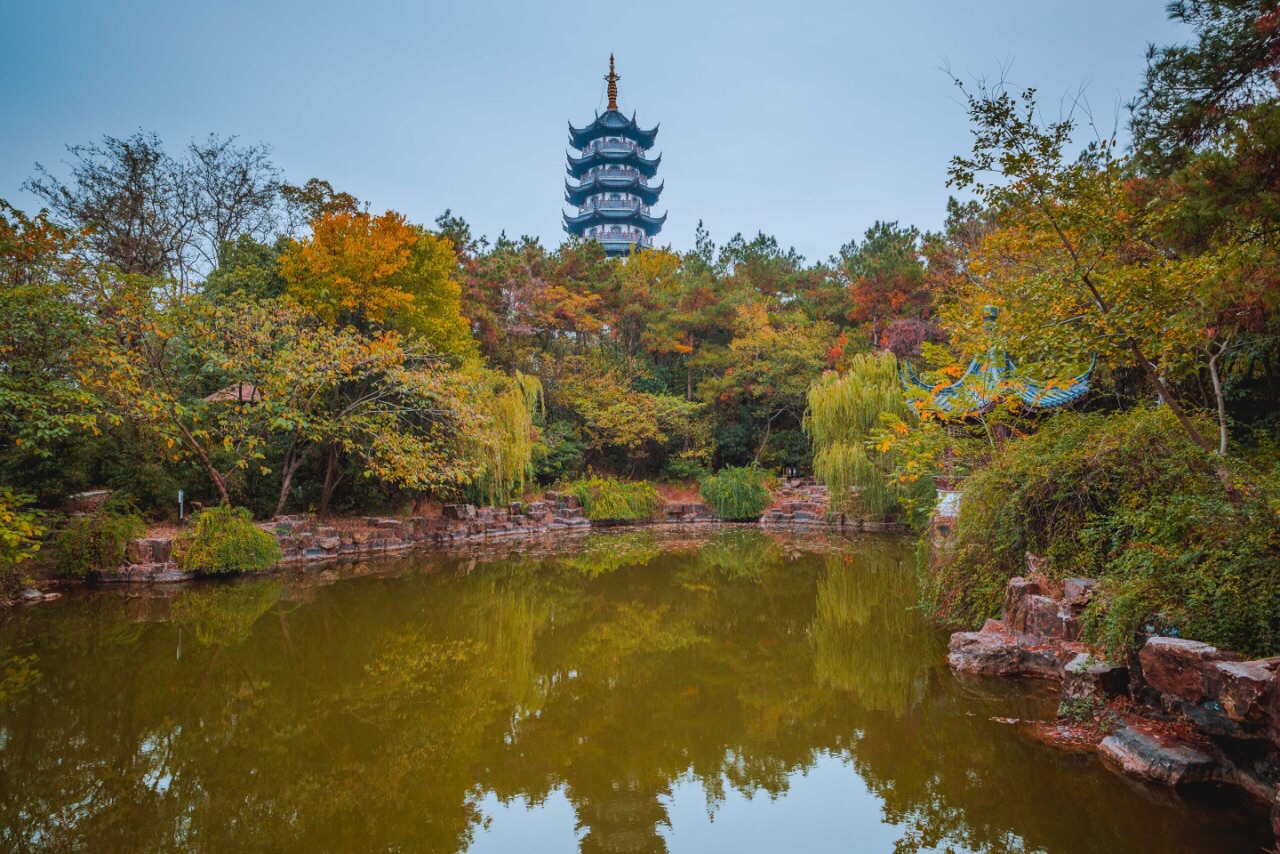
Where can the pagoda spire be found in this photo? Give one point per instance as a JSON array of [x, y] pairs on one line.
[[613, 79]]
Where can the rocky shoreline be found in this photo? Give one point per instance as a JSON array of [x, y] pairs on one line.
[[1174, 712], [304, 539]]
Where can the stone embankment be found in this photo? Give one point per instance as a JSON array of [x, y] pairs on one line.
[[1176, 712], [303, 538], [802, 501]]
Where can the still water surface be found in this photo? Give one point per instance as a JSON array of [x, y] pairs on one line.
[[632, 691]]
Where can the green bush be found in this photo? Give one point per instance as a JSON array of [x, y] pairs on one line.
[[738, 494], [225, 540], [606, 499], [92, 544], [1127, 499]]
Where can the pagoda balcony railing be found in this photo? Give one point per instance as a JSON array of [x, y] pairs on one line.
[[612, 204], [623, 237], [601, 145], [615, 172]]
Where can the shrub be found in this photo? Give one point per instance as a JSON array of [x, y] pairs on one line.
[[738, 494], [96, 543], [225, 540], [1126, 499], [606, 499], [20, 532]]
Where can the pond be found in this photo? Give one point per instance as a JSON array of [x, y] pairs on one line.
[[628, 691]]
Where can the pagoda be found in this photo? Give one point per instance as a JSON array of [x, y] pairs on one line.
[[990, 378], [611, 175]]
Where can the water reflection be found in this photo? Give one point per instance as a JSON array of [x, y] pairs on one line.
[[387, 709]]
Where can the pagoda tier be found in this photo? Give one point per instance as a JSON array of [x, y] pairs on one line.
[[602, 216], [612, 123], [607, 182], [604, 158]]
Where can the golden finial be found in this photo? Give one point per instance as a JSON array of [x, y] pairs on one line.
[[613, 85]]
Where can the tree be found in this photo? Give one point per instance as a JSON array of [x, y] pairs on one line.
[[45, 325], [380, 272], [1194, 95], [845, 411], [148, 214], [772, 361], [1075, 263], [886, 277]]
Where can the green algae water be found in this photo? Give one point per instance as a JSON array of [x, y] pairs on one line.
[[629, 691]]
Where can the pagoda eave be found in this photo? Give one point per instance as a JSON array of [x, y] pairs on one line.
[[607, 217], [577, 194], [579, 166], [612, 123]]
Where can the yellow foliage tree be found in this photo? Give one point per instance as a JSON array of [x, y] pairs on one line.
[[382, 272]]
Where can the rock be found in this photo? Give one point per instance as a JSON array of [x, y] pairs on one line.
[[1176, 666], [170, 576], [329, 543], [162, 549], [1086, 675], [1244, 689], [138, 551], [31, 595], [312, 554], [990, 652], [1077, 592], [1161, 760], [1043, 620], [1015, 602]]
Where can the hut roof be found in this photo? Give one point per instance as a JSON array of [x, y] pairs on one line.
[[236, 393]]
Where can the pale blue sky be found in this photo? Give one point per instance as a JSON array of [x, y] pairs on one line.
[[807, 120]]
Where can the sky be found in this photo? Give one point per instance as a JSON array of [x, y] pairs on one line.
[[805, 120]]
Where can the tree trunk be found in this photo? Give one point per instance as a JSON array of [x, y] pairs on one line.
[[292, 462], [1220, 468], [330, 481], [1219, 400]]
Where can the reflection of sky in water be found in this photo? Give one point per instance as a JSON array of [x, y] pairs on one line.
[[829, 807]]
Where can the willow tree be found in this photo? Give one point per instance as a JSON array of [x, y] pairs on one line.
[[506, 450], [844, 410]]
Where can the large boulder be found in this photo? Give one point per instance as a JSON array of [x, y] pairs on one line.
[[1158, 758], [1017, 598], [1076, 592], [1244, 689], [1176, 666], [993, 651], [1046, 618], [1086, 675]]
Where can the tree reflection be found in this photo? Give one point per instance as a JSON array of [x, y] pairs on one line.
[[377, 713]]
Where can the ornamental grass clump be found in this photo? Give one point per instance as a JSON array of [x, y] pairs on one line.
[[225, 541], [607, 499], [1129, 500], [92, 544], [738, 494]]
